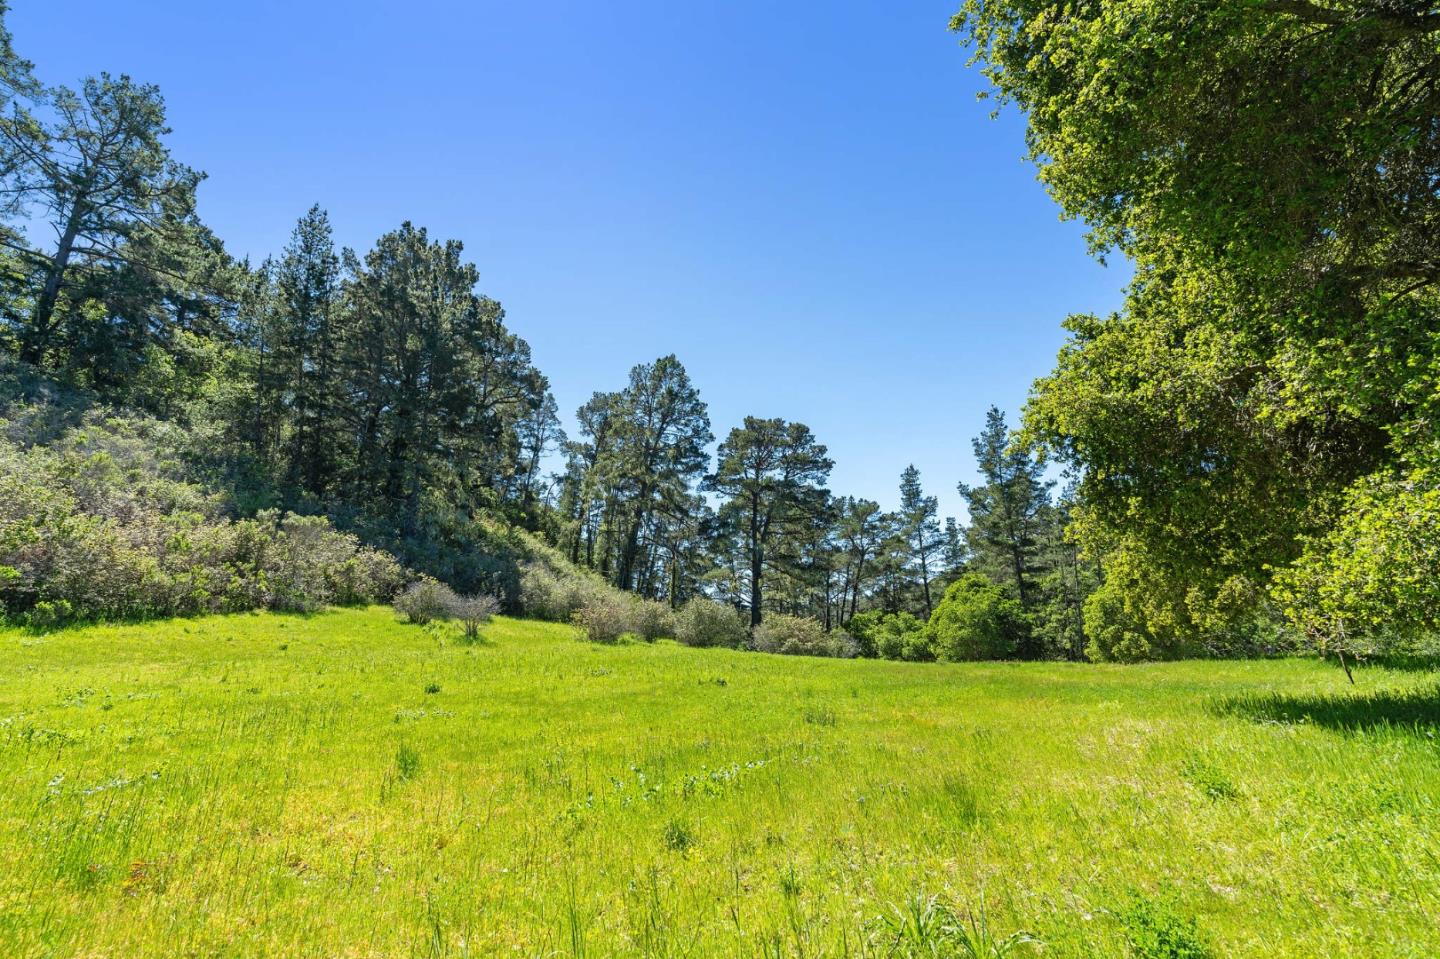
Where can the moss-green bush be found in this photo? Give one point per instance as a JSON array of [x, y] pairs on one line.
[[976, 620]]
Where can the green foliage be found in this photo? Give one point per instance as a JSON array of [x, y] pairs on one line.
[[98, 525], [426, 600], [1210, 781], [977, 619], [1155, 930], [799, 636], [1278, 343], [891, 635], [1371, 584], [1115, 632], [705, 622]]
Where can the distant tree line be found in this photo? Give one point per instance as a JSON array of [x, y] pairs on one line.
[[1249, 445]]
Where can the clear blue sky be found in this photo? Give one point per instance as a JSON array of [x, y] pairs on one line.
[[802, 200]]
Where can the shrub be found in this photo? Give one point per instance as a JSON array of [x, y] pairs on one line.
[[1156, 930], [557, 596], [473, 612], [1114, 633], [977, 619], [678, 836], [369, 576], [651, 620], [842, 645], [98, 525], [791, 636], [605, 618], [891, 636], [426, 600], [552, 589], [704, 622]]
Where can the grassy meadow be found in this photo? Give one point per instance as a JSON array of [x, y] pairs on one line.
[[346, 785]]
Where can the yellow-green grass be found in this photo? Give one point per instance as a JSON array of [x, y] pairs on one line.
[[347, 785]]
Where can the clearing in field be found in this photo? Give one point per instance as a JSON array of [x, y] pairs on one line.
[[344, 785]]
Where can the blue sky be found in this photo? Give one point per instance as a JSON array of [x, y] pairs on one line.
[[801, 200]]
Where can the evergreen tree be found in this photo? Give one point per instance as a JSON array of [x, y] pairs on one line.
[[861, 532], [773, 474], [920, 530], [659, 451], [1006, 510], [307, 279], [96, 174], [954, 548]]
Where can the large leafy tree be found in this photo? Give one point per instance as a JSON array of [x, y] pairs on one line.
[[773, 474], [1270, 166]]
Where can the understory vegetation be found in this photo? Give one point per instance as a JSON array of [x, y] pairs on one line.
[[278, 784]]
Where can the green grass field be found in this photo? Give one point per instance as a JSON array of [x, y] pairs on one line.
[[345, 785]]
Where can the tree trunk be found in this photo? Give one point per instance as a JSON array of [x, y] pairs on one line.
[[757, 562], [37, 336], [1345, 666], [925, 585]]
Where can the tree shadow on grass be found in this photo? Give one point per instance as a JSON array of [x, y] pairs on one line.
[[1417, 709]]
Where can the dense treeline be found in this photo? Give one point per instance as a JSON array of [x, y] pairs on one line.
[[1249, 446], [381, 391]]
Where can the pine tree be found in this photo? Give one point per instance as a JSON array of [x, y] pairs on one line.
[[920, 529], [773, 473], [1005, 510]]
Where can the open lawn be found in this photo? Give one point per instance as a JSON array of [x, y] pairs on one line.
[[345, 785]]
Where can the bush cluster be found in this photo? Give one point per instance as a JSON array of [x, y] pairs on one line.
[[891, 635], [552, 589], [427, 600], [704, 622], [97, 526], [607, 616], [977, 619], [800, 636]]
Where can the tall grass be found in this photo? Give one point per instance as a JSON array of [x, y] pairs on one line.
[[348, 784]]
